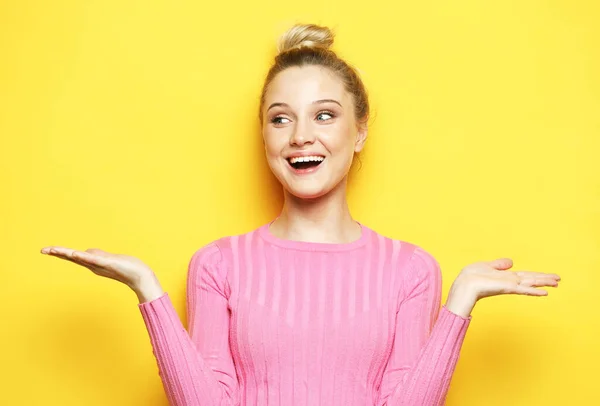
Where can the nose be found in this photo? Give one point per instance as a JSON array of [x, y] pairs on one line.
[[302, 134]]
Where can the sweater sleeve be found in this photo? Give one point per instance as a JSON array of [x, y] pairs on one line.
[[196, 368], [427, 340]]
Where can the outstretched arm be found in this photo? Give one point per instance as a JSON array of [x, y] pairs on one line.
[[196, 368], [427, 340], [426, 349]]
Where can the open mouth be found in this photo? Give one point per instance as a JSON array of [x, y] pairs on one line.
[[305, 163]]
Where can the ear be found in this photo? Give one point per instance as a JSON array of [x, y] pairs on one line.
[[361, 137]]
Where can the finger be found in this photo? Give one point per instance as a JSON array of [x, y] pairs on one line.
[[537, 282], [537, 274], [530, 291], [46, 250], [54, 250], [91, 259], [63, 255], [80, 257], [78, 262], [72, 259], [97, 251], [535, 277], [501, 263]]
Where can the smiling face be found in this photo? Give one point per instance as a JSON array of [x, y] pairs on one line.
[[307, 111]]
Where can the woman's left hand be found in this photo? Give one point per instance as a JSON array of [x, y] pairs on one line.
[[491, 278]]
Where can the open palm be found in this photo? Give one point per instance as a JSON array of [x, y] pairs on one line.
[[490, 278], [123, 268]]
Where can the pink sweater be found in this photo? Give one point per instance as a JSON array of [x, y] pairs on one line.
[[282, 322]]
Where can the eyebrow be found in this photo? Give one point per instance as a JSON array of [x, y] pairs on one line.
[[315, 102]]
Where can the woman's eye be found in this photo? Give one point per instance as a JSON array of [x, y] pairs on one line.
[[327, 115], [278, 120]]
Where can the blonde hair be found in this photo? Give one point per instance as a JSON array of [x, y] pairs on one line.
[[308, 44]]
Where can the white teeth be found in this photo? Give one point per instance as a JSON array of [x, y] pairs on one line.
[[306, 159]]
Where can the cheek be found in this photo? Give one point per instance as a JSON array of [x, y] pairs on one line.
[[273, 147], [339, 138], [270, 142]]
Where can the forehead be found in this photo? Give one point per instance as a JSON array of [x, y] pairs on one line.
[[303, 85]]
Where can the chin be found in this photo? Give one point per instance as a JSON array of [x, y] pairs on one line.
[[307, 191]]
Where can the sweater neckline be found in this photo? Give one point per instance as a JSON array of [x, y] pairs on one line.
[[266, 235]]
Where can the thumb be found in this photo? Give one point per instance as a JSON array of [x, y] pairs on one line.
[[97, 251], [501, 263]]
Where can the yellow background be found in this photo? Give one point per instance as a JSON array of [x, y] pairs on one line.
[[131, 126]]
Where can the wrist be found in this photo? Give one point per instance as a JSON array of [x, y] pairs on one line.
[[461, 300], [148, 288]]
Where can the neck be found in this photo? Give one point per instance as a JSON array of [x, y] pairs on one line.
[[323, 219]]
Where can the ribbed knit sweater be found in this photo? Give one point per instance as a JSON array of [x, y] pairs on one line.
[[285, 322]]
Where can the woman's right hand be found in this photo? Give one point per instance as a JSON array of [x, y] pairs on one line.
[[123, 268]]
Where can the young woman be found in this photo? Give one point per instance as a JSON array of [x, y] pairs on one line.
[[313, 308]]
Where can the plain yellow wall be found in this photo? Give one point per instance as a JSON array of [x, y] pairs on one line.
[[131, 126]]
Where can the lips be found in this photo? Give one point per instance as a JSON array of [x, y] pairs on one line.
[[301, 154], [305, 167]]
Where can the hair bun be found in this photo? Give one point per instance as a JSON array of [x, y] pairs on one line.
[[305, 35]]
